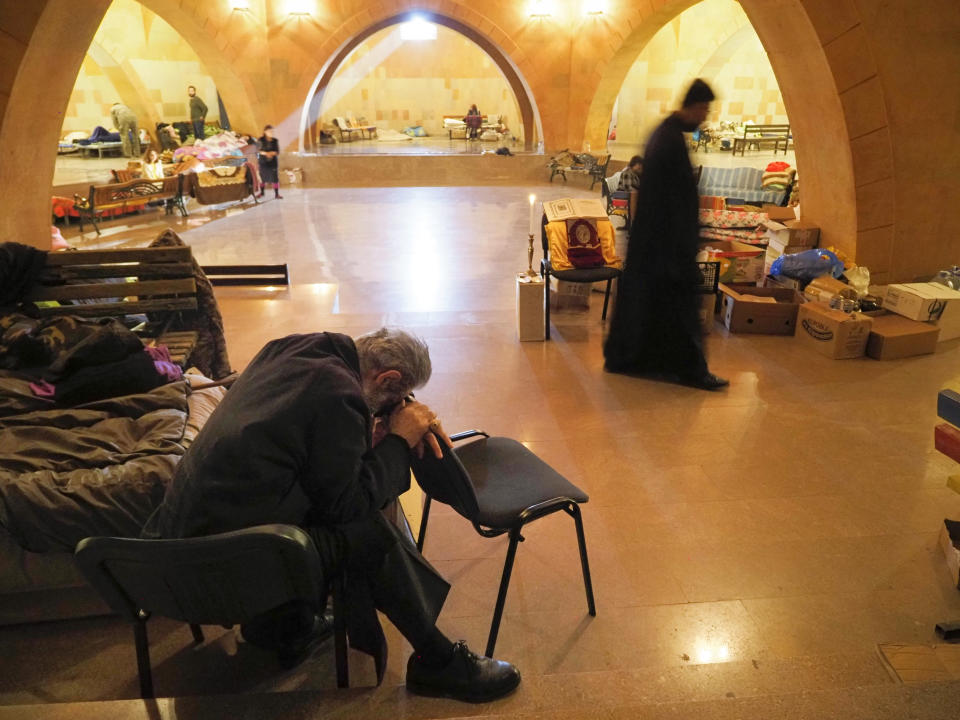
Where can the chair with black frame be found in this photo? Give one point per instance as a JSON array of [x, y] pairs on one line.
[[500, 487], [576, 275], [226, 579]]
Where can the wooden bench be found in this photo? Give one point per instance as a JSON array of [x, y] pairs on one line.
[[133, 194], [758, 134], [118, 283], [593, 167]]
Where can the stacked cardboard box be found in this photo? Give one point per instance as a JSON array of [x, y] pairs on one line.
[[927, 302]]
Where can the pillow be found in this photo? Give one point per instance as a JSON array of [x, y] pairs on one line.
[[557, 242], [200, 404]]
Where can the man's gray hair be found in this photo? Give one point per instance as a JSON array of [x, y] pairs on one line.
[[393, 349]]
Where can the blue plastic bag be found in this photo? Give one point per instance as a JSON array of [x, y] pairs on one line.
[[807, 265]]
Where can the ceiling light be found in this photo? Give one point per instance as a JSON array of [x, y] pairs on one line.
[[541, 8], [593, 7], [241, 5], [299, 7]]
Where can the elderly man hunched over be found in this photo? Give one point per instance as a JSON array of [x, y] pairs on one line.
[[317, 432]]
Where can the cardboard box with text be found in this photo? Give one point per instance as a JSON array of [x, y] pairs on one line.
[[833, 333]]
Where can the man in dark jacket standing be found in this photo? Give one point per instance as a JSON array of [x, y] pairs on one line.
[[198, 113], [655, 329], [318, 432]]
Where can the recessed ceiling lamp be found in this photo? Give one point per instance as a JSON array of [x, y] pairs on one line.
[[593, 7], [299, 7], [541, 8]]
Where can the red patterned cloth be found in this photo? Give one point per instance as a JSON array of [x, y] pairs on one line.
[[778, 166]]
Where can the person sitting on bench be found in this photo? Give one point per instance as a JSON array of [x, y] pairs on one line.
[[318, 432]]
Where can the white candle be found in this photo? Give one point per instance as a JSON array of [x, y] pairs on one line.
[[533, 199]]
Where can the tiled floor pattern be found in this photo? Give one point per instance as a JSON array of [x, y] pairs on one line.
[[749, 548]]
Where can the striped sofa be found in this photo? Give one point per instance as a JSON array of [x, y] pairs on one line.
[[742, 183]]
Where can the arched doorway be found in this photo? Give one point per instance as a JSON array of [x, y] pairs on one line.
[[820, 122], [311, 115]]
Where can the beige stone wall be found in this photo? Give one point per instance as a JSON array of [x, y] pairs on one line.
[[871, 86], [396, 84], [140, 60], [713, 40]]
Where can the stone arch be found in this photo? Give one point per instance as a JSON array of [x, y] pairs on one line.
[[205, 32], [529, 113], [828, 79], [125, 79]]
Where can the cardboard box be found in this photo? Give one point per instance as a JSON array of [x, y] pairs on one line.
[[927, 302], [779, 214], [781, 281], [708, 309], [950, 546], [739, 262], [792, 232], [530, 309], [836, 334], [743, 311], [570, 296], [894, 336]]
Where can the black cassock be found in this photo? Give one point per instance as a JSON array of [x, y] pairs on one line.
[[656, 325], [291, 443]]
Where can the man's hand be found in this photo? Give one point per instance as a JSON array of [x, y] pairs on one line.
[[418, 425]]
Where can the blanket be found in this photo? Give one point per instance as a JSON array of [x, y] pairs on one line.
[[95, 469], [20, 266]]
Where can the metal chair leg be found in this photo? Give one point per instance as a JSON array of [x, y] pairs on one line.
[[574, 510], [606, 299], [340, 633], [422, 535], [143, 657], [546, 311], [502, 595], [197, 633]]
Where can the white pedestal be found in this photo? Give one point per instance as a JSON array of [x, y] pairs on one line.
[[530, 308]]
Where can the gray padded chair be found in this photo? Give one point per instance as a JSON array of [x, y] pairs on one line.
[[226, 579], [500, 486]]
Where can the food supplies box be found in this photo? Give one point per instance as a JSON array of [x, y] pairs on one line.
[[927, 302], [894, 336], [768, 311], [833, 333], [739, 262], [791, 232]]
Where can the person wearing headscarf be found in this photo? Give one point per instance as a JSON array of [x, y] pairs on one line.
[[655, 329]]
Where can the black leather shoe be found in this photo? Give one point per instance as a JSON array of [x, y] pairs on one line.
[[467, 677], [707, 381], [293, 653]]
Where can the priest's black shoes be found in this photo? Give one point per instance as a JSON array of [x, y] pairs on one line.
[[467, 677], [294, 652], [707, 381]]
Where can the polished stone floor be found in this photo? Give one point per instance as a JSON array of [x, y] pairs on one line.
[[750, 548]]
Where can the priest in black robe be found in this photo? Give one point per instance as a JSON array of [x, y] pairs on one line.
[[655, 329], [318, 432]]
